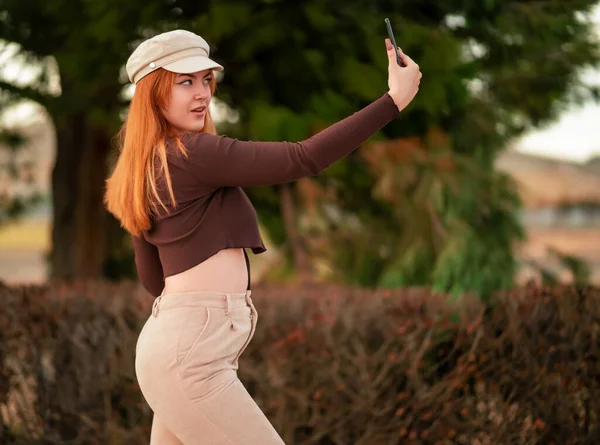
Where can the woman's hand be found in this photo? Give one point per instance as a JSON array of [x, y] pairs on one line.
[[402, 81]]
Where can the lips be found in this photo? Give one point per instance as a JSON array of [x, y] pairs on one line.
[[201, 109]]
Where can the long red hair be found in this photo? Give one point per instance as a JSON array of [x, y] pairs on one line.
[[131, 193]]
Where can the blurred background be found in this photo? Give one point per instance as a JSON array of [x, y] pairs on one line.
[[394, 327], [491, 177]]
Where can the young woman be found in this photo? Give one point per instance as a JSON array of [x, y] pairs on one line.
[[177, 189]]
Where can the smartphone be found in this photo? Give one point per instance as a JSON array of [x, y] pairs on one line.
[[391, 34]]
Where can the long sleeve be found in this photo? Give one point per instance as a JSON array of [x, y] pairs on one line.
[[148, 265], [221, 161]]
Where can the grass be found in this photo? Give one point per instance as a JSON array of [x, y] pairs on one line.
[[25, 235]]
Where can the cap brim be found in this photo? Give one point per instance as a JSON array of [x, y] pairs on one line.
[[192, 64]]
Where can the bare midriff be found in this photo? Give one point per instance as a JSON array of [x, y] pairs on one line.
[[225, 272]]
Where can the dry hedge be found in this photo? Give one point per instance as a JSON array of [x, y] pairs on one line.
[[328, 365]]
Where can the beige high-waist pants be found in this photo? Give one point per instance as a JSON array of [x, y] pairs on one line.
[[186, 364]]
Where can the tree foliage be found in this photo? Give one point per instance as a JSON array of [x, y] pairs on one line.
[[427, 207]]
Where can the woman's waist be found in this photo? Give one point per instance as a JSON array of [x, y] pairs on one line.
[[225, 271]]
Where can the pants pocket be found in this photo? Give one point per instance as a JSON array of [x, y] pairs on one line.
[[193, 328]]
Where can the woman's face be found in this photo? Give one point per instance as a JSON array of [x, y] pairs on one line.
[[190, 98]]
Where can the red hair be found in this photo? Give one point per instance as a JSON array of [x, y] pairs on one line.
[[131, 194]]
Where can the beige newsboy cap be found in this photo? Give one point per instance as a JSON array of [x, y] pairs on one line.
[[178, 51]]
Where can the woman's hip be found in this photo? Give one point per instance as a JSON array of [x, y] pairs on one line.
[[194, 336]]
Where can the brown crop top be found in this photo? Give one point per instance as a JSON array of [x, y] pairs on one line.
[[213, 212]]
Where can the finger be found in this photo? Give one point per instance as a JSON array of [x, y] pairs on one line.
[[391, 52], [406, 59], [402, 56]]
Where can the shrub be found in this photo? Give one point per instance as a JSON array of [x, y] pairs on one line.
[[328, 365]]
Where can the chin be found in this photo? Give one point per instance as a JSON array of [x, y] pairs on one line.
[[197, 128]]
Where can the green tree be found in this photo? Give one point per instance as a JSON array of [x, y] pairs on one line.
[[492, 70], [80, 46], [440, 215]]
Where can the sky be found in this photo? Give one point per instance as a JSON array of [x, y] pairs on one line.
[[574, 136]]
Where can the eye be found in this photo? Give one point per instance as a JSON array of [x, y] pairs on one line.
[[208, 79], [190, 82]]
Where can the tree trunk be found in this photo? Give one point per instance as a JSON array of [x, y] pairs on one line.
[[301, 259], [80, 219]]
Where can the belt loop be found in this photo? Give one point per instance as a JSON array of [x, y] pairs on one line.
[[228, 300], [155, 306]]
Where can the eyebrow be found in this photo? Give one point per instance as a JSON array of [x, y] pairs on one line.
[[193, 76]]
